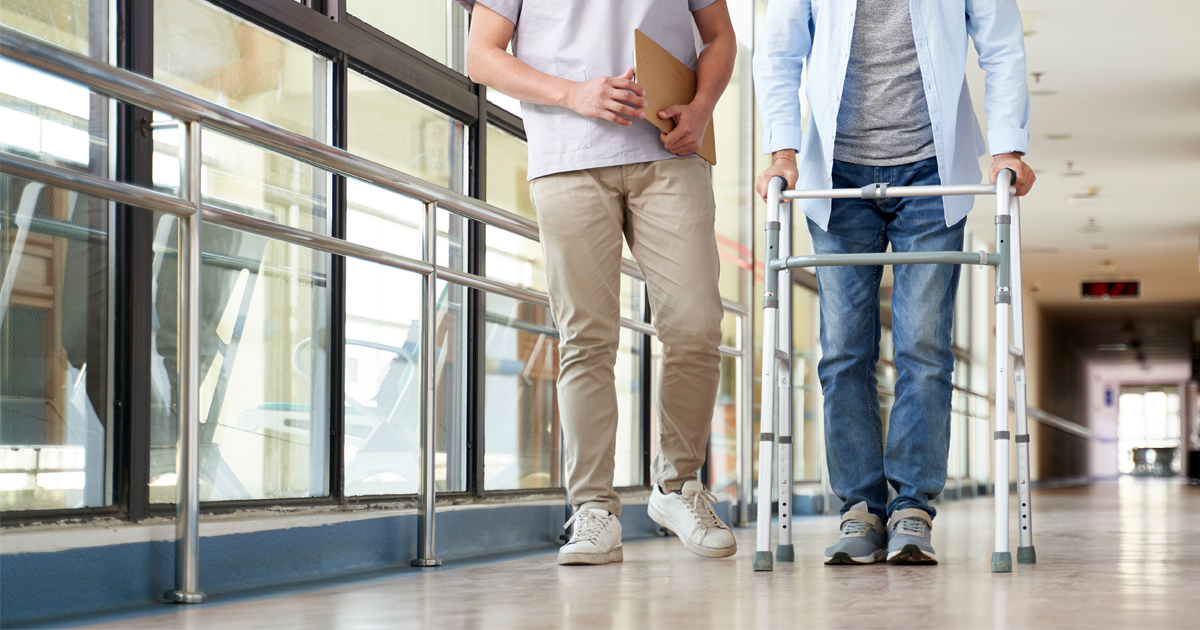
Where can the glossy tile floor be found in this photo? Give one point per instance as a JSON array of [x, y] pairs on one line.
[[1110, 555]]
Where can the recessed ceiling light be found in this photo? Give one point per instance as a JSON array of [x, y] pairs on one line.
[[1043, 92], [1090, 227], [1071, 172], [1058, 136]]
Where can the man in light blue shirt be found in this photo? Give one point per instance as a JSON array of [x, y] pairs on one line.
[[889, 104]]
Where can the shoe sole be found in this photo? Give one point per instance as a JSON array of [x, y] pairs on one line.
[[616, 555], [911, 554], [706, 552], [842, 557]]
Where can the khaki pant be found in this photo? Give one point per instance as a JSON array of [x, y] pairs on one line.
[[666, 211]]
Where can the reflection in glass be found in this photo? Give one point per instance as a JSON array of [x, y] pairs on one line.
[[521, 412], [77, 25], [55, 323], [630, 470], [436, 28], [394, 130], [264, 375], [215, 55], [205, 51], [55, 316], [722, 449], [384, 382], [806, 387], [508, 173]]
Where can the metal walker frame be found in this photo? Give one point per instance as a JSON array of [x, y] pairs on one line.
[[777, 363]]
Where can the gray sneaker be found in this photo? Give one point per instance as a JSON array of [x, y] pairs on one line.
[[909, 538], [863, 538]]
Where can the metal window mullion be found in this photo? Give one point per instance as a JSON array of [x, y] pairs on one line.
[[339, 119]]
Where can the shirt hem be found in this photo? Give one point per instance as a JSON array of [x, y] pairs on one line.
[[600, 162]]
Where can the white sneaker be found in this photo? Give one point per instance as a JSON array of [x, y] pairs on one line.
[[690, 515], [596, 539]]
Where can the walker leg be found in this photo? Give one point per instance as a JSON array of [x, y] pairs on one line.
[[784, 551], [1025, 550], [1001, 558], [763, 560]]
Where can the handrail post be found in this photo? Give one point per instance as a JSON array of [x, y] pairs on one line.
[[426, 456], [187, 445]]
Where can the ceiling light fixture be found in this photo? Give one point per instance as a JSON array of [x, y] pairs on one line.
[[1090, 227], [1071, 172], [1058, 136], [1043, 92]]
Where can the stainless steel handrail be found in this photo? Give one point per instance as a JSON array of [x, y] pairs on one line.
[[196, 114], [144, 92]]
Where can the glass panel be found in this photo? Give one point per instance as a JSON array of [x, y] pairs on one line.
[[437, 28], [241, 177], [383, 379], [733, 183], [632, 300], [264, 367], [205, 51], [722, 450], [77, 25], [380, 218], [514, 259], [394, 130], [384, 382], [806, 387], [505, 102], [55, 327], [629, 469], [508, 173], [522, 433]]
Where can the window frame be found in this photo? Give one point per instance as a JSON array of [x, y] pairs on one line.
[[324, 28]]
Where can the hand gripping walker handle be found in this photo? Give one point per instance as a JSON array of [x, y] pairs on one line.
[[1012, 176]]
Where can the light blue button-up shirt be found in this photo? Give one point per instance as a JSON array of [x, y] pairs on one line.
[[820, 32]]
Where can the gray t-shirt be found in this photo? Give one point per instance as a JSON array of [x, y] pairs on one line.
[[582, 40], [883, 119]]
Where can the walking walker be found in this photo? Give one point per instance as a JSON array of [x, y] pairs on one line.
[[777, 365]]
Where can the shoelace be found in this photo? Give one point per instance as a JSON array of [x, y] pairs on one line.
[[588, 528], [701, 505], [852, 527], [912, 527]]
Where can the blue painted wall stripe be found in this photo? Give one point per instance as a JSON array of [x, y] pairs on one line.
[[87, 581]]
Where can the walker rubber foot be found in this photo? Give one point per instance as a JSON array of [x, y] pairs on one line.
[[785, 553], [1026, 555], [763, 561], [1001, 562]]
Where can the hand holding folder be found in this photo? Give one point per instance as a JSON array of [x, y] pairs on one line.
[[668, 82]]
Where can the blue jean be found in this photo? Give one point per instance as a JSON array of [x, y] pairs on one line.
[[913, 460]]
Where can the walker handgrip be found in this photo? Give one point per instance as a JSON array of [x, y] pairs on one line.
[[1012, 179]]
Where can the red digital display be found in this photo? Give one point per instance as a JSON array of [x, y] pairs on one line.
[[1124, 289]]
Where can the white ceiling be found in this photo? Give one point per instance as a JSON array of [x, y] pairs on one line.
[[1125, 77]]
